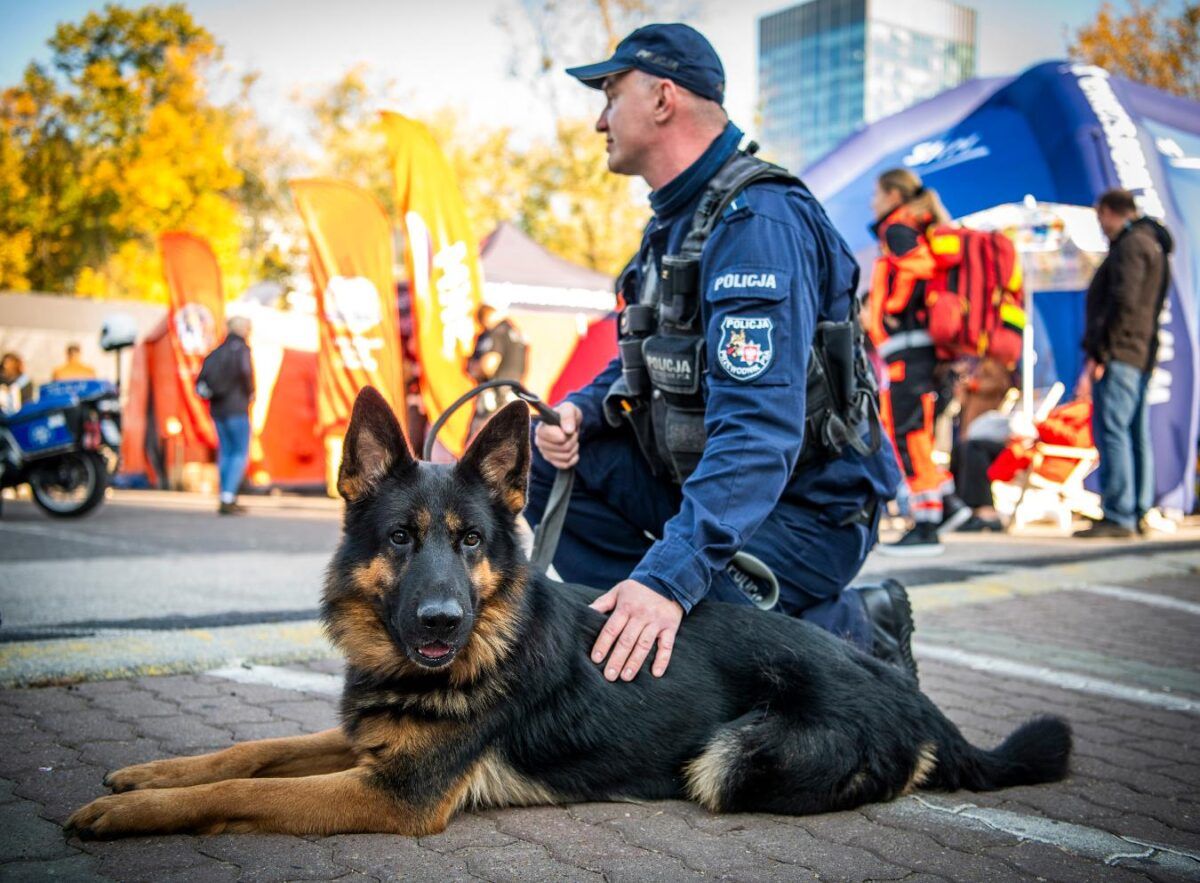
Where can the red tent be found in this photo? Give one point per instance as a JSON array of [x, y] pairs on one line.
[[286, 450]]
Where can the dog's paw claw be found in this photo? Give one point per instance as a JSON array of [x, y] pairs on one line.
[[88, 822], [139, 776]]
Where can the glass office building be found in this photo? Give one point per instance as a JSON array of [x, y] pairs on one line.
[[827, 67]]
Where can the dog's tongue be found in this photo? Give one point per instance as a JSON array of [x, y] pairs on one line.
[[436, 650]]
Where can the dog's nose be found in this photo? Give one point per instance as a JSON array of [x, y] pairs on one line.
[[440, 616]]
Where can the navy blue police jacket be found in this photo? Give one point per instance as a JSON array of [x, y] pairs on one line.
[[773, 267]]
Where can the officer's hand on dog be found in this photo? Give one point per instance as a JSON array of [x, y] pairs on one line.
[[560, 444], [640, 617]]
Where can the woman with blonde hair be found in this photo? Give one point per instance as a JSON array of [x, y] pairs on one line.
[[898, 324]]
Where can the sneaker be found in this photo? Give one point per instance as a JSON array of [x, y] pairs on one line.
[[920, 542], [890, 614], [754, 579], [1104, 530], [975, 524], [955, 513], [231, 509]]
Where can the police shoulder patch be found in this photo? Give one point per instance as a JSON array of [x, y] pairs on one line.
[[745, 351]]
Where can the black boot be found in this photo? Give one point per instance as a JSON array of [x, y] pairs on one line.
[[891, 624]]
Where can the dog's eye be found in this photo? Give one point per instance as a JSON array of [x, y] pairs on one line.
[[401, 537], [472, 539]]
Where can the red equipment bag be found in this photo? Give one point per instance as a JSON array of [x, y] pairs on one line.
[[976, 301]]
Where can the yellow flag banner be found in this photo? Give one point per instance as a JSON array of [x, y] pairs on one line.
[[351, 257], [195, 322], [444, 273]]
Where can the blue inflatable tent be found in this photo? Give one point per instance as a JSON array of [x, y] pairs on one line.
[[1062, 133]]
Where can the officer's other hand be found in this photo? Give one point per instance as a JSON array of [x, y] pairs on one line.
[[560, 444], [640, 618]]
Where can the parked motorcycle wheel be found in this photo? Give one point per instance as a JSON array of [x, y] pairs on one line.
[[70, 485]]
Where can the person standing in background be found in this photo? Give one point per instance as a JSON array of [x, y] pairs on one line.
[[16, 389], [1120, 340], [501, 353], [74, 368], [227, 381], [898, 324]]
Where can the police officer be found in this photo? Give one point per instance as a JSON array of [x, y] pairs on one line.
[[770, 269]]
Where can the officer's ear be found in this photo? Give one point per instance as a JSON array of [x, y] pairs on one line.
[[666, 99]]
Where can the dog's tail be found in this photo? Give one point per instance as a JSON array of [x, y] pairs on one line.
[[1037, 751]]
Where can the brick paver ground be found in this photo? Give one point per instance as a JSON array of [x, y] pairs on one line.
[[1136, 775]]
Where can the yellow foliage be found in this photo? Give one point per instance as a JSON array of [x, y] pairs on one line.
[[1146, 45], [14, 260]]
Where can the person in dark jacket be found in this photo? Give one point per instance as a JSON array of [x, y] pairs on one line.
[[229, 374], [749, 523], [1121, 342]]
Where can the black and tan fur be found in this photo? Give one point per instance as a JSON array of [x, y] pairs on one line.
[[469, 685]]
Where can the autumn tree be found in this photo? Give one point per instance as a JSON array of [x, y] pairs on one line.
[[119, 143], [351, 143], [1146, 44], [557, 188], [272, 234], [43, 215], [16, 238]]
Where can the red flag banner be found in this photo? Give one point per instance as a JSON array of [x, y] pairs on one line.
[[444, 271], [195, 320], [351, 255]]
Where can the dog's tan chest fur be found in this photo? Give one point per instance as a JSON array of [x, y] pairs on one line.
[[493, 783]]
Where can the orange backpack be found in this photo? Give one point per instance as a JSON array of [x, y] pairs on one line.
[[975, 301]]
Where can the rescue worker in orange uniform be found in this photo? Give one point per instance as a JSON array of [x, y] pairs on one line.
[[897, 323]]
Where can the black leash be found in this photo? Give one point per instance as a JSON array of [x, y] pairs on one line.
[[549, 529]]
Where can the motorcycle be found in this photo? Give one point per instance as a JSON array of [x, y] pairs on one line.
[[64, 445]]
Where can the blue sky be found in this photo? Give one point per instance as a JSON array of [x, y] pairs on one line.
[[454, 52]]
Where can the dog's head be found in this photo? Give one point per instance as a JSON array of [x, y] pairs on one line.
[[429, 572]]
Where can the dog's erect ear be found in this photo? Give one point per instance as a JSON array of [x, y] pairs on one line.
[[373, 447], [500, 455]]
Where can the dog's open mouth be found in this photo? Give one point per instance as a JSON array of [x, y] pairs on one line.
[[436, 652]]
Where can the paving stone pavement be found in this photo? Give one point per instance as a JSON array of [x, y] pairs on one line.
[[1135, 776]]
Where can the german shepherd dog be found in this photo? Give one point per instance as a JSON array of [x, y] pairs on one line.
[[469, 685]]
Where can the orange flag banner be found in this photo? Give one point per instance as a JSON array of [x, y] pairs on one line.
[[195, 320], [444, 272], [351, 255]]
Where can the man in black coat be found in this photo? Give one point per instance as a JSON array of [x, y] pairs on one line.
[[1121, 341]]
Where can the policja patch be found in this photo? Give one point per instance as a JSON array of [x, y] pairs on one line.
[[745, 351]]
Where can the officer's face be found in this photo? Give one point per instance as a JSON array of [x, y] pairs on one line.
[[627, 121]]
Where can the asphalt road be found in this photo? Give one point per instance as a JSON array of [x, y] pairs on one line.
[[144, 563], [167, 561]]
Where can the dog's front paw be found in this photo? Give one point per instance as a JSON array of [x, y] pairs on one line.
[[156, 774], [116, 816]]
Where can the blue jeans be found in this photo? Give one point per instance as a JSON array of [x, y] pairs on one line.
[[1121, 427], [233, 451], [617, 506]]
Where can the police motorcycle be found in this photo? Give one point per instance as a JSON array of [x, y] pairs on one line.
[[66, 443], [62, 445]]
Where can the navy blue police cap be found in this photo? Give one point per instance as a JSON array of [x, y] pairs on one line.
[[671, 51]]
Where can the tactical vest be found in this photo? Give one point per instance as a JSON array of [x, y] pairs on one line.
[[660, 393]]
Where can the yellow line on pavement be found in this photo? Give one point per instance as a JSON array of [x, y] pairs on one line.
[[1025, 581], [126, 654]]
